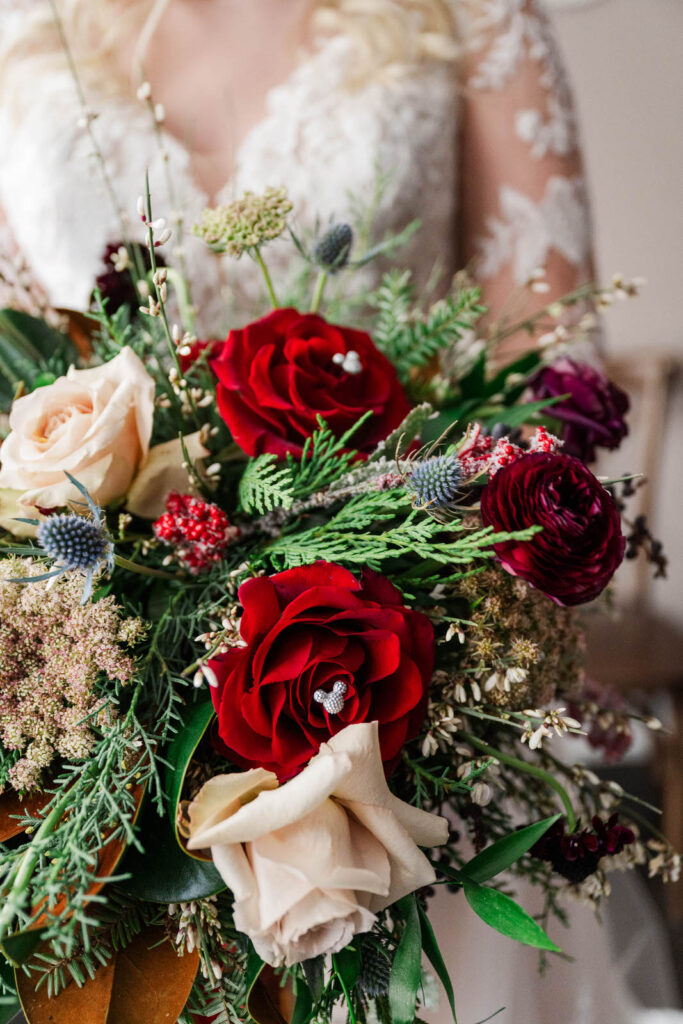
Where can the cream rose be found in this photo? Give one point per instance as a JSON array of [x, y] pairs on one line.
[[94, 424], [311, 862]]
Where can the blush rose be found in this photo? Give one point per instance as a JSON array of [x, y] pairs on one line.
[[312, 862]]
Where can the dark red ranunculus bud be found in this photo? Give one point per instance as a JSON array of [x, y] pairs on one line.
[[322, 650], [580, 545], [593, 414], [279, 374]]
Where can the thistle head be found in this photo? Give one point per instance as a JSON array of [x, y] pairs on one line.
[[436, 481], [74, 542], [333, 249]]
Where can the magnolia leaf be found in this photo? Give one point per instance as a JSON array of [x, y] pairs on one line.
[[151, 982], [503, 853], [406, 970], [13, 808], [108, 858], [268, 1002], [168, 873], [147, 981], [86, 1005], [501, 913]]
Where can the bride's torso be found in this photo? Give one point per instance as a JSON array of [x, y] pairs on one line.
[[329, 144]]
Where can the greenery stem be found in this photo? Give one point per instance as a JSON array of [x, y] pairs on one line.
[[319, 291], [144, 570], [24, 870], [530, 769], [352, 1016], [266, 277]]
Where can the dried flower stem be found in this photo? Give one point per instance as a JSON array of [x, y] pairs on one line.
[[529, 769]]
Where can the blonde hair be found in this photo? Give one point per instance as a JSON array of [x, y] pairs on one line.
[[386, 33]]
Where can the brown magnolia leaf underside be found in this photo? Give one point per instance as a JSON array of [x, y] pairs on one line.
[[146, 983], [108, 858], [269, 1001], [12, 808], [87, 1005]]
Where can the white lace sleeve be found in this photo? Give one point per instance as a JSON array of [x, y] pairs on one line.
[[524, 204]]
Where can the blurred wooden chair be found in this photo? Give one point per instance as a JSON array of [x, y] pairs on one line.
[[640, 652]]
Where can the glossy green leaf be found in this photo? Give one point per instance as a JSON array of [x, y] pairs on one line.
[[406, 970], [21, 945], [303, 1008], [347, 963], [501, 913], [195, 721], [433, 954], [503, 853], [166, 872], [8, 1010]]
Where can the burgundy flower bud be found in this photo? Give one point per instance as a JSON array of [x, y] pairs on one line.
[[593, 414], [576, 855]]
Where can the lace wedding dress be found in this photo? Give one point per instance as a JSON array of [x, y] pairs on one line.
[[523, 204], [326, 143]]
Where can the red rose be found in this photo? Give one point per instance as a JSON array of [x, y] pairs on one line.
[[191, 353], [322, 651], [581, 545], [276, 376]]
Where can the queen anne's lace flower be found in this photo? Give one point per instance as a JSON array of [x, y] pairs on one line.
[[52, 650]]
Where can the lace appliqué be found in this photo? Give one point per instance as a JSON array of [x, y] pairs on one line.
[[518, 30], [524, 232]]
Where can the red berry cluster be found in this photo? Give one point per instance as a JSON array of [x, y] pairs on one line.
[[199, 531]]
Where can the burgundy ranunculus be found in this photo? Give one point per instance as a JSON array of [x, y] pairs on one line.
[[323, 651], [278, 375], [581, 545], [593, 415]]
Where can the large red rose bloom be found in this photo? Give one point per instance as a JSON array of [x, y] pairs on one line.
[[305, 630], [581, 544], [279, 374]]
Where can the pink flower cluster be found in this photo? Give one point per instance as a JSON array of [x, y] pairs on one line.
[[483, 454], [52, 650]]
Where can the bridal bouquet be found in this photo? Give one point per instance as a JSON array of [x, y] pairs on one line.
[[287, 629]]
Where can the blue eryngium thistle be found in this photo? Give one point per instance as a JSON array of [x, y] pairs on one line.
[[333, 249], [436, 480], [75, 542]]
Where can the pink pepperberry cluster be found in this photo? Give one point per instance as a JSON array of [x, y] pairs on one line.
[[482, 454], [199, 531]]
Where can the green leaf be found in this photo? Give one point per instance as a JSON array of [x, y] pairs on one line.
[[314, 972], [406, 970], [303, 1008], [167, 872], [433, 954], [501, 913], [195, 721], [516, 415], [8, 1010], [347, 963], [19, 946], [501, 854]]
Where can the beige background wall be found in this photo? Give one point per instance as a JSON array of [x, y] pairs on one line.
[[625, 58]]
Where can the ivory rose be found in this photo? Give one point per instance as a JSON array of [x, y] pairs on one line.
[[95, 424], [312, 862]]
